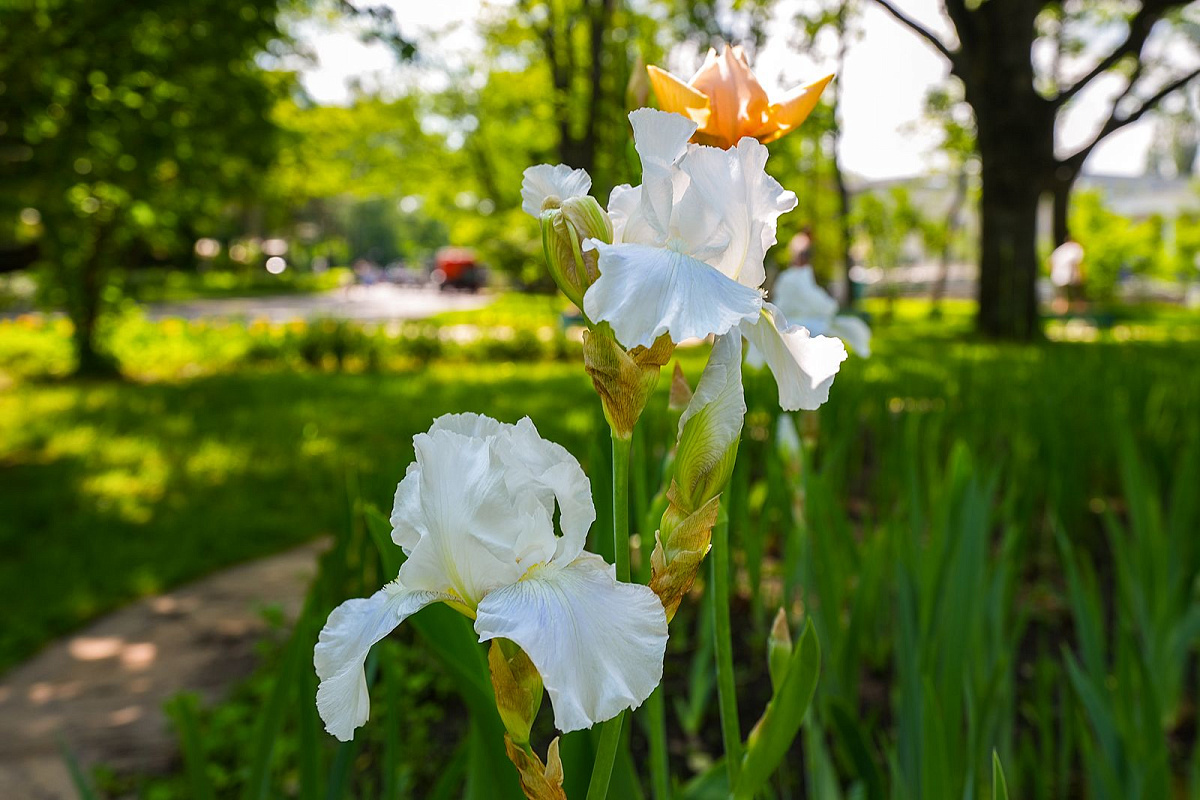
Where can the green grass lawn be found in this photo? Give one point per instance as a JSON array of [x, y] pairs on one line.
[[111, 491], [1020, 503], [116, 490]]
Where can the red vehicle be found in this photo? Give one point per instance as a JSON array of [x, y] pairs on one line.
[[458, 268]]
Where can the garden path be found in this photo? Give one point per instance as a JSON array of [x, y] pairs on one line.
[[101, 690]]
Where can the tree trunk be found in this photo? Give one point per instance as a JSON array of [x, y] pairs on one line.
[[1015, 141], [85, 309], [846, 234], [953, 223], [1008, 250], [1060, 189], [838, 176]]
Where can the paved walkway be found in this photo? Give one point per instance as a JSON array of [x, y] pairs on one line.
[[379, 303], [101, 690]]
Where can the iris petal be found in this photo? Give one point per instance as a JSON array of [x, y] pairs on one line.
[[644, 292], [597, 643], [342, 648], [804, 365]]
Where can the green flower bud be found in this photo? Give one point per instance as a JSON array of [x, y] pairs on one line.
[[518, 688], [624, 379], [779, 650], [566, 225], [711, 427]]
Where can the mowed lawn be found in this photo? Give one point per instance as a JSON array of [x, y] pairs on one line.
[[110, 491]]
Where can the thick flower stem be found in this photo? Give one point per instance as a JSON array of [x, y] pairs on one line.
[[726, 690], [656, 732], [610, 732], [620, 474]]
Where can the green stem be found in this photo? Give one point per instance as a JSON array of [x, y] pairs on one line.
[[606, 754], [726, 691], [610, 732], [656, 731]]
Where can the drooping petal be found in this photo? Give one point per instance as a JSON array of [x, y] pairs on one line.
[[545, 181], [597, 643], [748, 203], [786, 115], [677, 97], [804, 366], [644, 292], [342, 647], [854, 332]]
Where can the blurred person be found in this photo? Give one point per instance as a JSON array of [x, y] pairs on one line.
[[800, 248], [1066, 274]]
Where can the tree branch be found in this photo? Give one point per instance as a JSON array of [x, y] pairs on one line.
[[1116, 120], [964, 24], [1140, 26], [919, 29]]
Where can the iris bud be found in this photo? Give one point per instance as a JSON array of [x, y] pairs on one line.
[[518, 688], [566, 225], [711, 427], [624, 379], [779, 650]]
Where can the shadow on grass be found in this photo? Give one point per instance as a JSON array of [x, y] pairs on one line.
[[116, 490]]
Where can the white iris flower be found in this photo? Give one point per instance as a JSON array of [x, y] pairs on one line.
[[475, 517], [796, 292], [688, 250]]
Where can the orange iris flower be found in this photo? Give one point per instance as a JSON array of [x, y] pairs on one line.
[[727, 101]]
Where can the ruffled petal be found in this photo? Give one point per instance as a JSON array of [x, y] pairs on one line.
[[480, 534], [544, 181], [644, 292], [597, 643], [804, 365], [475, 426], [408, 514], [747, 204], [342, 648], [555, 475], [408, 525], [661, 141], [660, 137], [623, 204]]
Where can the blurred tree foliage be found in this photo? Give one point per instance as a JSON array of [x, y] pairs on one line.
[[128, 126], [1114, 246]]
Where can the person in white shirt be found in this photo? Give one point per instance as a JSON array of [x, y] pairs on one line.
[[1066, 274]]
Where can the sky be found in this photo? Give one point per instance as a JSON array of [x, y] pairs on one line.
[[887, 74]]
